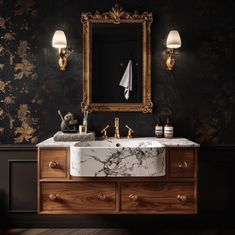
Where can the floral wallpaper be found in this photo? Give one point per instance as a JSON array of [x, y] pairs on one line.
[[199, 95], [18, 71]]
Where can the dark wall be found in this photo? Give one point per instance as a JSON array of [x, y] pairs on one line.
[[199, 94]]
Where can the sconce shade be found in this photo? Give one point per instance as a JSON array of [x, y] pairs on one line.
[[59, 39], [173, 39]]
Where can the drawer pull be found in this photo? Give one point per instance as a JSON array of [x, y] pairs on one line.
[[183, 165], [182, 198], [53, 164], [133, 197], [52, 197], [101, 196]]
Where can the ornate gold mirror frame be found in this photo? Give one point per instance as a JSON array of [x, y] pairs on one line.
[[117, 16]]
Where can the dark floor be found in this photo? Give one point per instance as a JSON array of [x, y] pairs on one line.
[[118, 232]]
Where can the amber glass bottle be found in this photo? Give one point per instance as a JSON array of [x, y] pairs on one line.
[[159, 129], [168, 129]]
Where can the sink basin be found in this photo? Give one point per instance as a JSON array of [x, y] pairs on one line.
[[122, 143], [118, 158]]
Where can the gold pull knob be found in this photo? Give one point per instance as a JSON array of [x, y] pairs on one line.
[[182, 164], [53, 164], [52, 197], [133, 197], [182, 198], [101, 196]]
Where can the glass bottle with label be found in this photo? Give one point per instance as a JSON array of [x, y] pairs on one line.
[[159, 129], [168, 129]]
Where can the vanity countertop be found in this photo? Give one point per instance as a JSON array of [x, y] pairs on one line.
[[52, 143], [174, 142], [177, 142]]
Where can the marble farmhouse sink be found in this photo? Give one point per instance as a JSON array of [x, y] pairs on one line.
[[118, 158]]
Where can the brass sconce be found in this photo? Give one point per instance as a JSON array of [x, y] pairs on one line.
[[59, 41], [173, 41]]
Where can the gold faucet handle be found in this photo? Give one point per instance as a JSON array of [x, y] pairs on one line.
[[104, 132], [130, 131]]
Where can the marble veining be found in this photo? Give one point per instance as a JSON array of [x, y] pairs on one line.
[[117, 162], [177, 142], [111, 142], [52, 143], [174, 142], [119, 157]]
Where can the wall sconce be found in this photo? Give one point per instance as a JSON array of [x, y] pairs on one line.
[[173, 41], [59, 41]]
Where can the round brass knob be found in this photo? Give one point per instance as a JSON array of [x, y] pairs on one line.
[[183, 164], [52, 197], [53, 164], [101, 196], [133, 197], [182, 198]]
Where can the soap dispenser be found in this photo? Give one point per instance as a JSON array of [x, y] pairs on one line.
[[84, 122], [168, 129], [159, 129]]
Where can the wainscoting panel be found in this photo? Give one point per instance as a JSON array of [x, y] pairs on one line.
[[22, 185], [217, 180], [17, 182]]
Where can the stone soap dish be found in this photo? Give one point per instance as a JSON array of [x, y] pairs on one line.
[[60, 136]]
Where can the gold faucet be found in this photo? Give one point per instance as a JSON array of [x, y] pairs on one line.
[[104, 131], [116, 125], [130, 131]]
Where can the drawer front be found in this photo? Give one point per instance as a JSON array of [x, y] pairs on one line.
[[53, 163], [181, 163], [158, 197], [69, 197]]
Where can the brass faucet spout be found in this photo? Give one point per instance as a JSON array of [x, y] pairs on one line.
[[116, 125]]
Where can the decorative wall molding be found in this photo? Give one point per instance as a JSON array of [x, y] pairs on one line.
[[11, 195], [17, 147]]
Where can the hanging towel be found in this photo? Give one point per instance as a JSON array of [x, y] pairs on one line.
[[126, 81]]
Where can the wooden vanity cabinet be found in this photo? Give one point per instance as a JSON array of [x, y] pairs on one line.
[[174, 193], [69, 197], [53, 163], [158, 197], [182, 162]]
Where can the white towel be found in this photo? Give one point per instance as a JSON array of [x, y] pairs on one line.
[[126, 80]]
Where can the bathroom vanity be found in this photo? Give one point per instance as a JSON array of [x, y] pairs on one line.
[[164, 182]]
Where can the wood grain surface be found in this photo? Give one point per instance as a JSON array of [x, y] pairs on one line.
[[78, 196], [177, 158], [175, 193], [159, 197], [58, 155]]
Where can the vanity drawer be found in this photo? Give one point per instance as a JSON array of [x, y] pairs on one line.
[[159, 198], [53, 163], [181, 162], [77, 197]]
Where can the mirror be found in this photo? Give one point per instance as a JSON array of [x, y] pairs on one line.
[[116, 50]]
